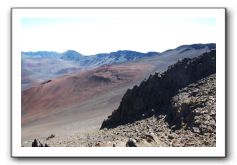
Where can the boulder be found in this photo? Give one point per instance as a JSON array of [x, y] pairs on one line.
[[131, 143]]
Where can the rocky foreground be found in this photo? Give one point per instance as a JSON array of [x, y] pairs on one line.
[[192, 122]]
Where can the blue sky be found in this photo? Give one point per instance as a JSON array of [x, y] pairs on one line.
[[96, 33]]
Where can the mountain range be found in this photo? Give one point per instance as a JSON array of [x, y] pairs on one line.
[[91, 61], [109, 58], [43, 65]]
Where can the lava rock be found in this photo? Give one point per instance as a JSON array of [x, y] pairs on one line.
[[157, 91], [131, 143], [37, 143]]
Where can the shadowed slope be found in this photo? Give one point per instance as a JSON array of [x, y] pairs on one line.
[[154, 94]]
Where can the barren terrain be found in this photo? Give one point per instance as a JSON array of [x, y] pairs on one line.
[[79, 102], [155, 130]]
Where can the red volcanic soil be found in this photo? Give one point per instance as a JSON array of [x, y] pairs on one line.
[[52, 95]]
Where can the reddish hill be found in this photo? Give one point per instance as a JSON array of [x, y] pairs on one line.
[[53, 95]]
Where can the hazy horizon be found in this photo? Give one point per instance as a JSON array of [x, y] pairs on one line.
[[104, 31], [113, 51]]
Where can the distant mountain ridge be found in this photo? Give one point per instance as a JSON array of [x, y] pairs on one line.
[[73, 55], [40, 54], [92, 60], [119, 56], [193, 46], [43, 65]]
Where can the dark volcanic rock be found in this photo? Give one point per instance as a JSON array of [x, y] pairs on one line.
[[196, 113], [46, 145], [48, 81], [156, 92], [37, 143], [131, 143], [50, 137]]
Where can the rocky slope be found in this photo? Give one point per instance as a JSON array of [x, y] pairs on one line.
[[154, 95], [193, 107]]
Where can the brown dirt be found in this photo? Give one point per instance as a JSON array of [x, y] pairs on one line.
[[77, 102]]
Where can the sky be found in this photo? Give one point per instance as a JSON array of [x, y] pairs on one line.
[[102, 31]]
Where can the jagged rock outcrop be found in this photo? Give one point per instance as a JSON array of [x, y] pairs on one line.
[[155, 94], [37, 143]]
